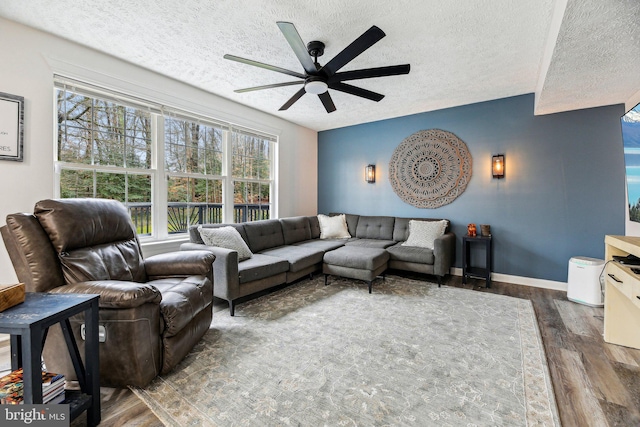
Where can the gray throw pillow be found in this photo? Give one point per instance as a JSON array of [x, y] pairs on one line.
[[423, 233], [226, 237]]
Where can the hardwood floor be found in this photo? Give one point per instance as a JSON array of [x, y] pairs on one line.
[[595, 383]]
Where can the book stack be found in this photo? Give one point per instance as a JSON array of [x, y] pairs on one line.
[[12, 388]]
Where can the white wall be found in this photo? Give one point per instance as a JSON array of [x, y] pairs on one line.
[[29, 59]]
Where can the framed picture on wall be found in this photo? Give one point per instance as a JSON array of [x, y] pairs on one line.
[[11, 126]]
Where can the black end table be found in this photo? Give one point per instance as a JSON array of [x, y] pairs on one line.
[[28, 324], [483, 272]]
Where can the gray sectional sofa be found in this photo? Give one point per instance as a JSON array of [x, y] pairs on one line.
[[284, 250]]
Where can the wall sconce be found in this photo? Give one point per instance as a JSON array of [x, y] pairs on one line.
[[497, 166], [370, 174]]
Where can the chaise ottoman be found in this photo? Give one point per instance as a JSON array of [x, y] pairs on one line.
[[355, 262]]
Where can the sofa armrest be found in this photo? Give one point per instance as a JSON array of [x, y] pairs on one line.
[[179, 264], [114, 293], [444, 254], [226, 280]]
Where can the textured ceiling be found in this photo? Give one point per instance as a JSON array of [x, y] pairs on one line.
[[460, 51], [596, 60]]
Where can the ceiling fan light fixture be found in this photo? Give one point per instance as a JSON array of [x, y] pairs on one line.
[[316, 87], [317, 78]]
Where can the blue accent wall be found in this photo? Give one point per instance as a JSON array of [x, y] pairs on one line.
[[563, 191]]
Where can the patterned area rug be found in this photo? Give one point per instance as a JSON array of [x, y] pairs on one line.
[[408, 354]]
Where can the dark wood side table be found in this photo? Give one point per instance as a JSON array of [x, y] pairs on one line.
[[28, 324], [474, 271]]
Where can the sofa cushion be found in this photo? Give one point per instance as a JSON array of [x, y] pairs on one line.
[[295, 229], [333, 227], [401, 227], [375, 227], [260, 266], [357, 257], [423, 233], [94, 239], [298, 257], [398, 252], [194, 233], [264, 234], [322, 244], [81, 223], [352, 222], [314, 224], [370, 243], [112, 261], [115, 294], [226, 237]]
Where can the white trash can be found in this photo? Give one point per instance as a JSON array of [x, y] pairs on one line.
[[583, 284]]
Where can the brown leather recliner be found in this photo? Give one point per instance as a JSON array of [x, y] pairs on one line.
[[153, 310]]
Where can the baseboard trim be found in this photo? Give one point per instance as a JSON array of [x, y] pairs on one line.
[[520, 280]]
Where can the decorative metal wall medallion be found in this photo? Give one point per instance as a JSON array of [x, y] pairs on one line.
[[430, 168]]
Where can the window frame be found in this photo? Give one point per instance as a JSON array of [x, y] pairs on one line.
[[158, 170], [260, 180]]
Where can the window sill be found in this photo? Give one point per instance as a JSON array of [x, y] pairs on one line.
[[153, 247]]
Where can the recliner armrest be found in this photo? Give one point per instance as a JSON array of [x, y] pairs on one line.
[[114, 293], [179, 264]]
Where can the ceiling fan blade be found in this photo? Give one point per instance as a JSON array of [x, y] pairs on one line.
[[359, 45], [327, 102], [368, 73], [298, 46], [293, 99], [265, 66], [251, 89], [357, 91]]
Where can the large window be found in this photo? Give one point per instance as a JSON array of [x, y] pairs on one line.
[[251, 174], [194, 157], [171, 169]]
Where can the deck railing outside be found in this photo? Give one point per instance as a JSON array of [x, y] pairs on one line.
[[181, 215]]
